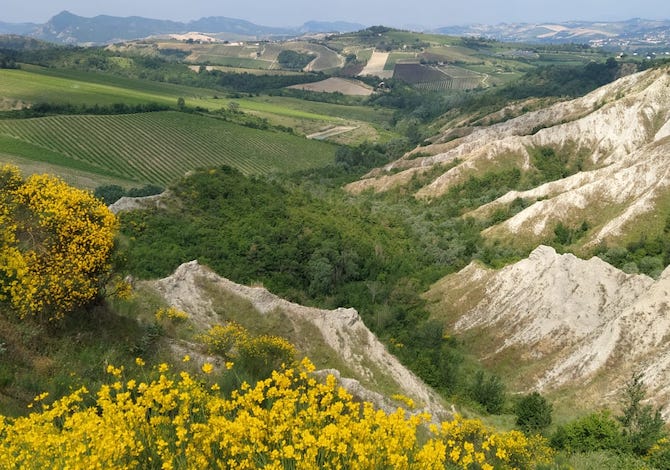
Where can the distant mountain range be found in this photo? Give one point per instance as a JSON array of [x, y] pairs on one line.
[[630, 33], [68, 28]]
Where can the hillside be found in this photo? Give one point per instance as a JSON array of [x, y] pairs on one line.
[[159, 147], [613, 145], [589, 175], [577, 329], [508, 240], [332, 339], [632, 34]]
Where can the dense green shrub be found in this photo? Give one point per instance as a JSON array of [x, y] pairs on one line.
[[642, 424], [488, 391], [294, 60], [533, 413], [593, 432]]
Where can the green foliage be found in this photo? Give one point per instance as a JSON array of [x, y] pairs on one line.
[[8, 59], [566, 236], [642, 424], [488, 392], [51, 109], [533, 413], [638, 432], [258, 83], [561, 80], [648, 255], [366, 156], [293, 60], [253, 230], [323, 248], [598, 460], [110, 193], [593, 432]]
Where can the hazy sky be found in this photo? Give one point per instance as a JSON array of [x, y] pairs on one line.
[[428, 13]]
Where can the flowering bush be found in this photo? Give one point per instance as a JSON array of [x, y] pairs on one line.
[[55, 244], [287, 421], [172, 314], [259, 355]]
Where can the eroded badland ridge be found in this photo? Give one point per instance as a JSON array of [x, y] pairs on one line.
[[568, 323], [580, 327], [330, 336], [619, 133], [553, 322]]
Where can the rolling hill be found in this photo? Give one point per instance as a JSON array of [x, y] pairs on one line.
[[158, 147]]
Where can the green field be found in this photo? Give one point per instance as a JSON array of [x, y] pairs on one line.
[[396, 56], [157, 147], [35, 84], [239, 62], [317, 110]]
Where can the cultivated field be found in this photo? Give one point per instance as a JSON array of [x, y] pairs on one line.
[[255, 55], [157, 147], [337, 85], [376, 64], [431, 77], [37, 84], [20, 88]]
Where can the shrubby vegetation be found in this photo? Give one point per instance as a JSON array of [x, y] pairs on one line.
[[533, 413], [51, 109], [294, 60], [638, 434], [110, 193], [288, 420], [55, 245], [318, 249], [648, 255], [8, 60]]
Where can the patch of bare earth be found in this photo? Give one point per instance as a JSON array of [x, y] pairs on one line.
[[375, 66], [337, 85]]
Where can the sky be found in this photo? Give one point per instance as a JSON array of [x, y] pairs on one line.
[[406, 13]]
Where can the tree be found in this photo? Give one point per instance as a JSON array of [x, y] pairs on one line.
[[642, 424], [55, 245], [533, 413], [489, 392]]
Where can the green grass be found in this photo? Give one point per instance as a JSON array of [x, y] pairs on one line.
[[271, 106], [158, 147], [240, 62], [318, 110], [38, 85], [396, 56]]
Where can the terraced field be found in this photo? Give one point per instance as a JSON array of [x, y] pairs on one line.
[[158, 147]]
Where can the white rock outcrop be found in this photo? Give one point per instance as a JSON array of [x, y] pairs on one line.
[[622, 131], [189, 289], [581, 318]]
